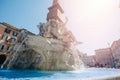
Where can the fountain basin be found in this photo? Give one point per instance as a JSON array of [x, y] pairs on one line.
[[83, 74]]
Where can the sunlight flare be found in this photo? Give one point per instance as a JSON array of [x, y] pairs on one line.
[[92, 21]]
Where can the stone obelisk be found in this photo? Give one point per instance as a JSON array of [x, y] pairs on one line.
[[56, 12]]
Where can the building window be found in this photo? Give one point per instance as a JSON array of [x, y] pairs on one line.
[[8, 49], [15, 33], [7, 30], [13, 40], [4, 38], [1, 47]]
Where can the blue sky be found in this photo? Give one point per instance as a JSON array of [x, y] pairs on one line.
[[93, 22], [24, 13]]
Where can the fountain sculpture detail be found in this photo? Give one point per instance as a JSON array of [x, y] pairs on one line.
[[53, 49]]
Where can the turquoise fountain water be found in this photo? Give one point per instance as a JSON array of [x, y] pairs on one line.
[[83, 74]]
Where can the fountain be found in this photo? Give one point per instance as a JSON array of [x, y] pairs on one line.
[[53, 49], [53, 53]]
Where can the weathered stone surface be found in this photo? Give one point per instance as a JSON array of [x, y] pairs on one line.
[[56, 30], [24, 58], [53, 49], [54, 55], [44, 54]]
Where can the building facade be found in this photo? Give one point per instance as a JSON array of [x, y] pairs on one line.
[[8, 37], [88, 60], [115, 49], [109, 57], [103, 57], [11, 38]]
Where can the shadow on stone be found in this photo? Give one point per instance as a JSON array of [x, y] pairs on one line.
[[2, 58]]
